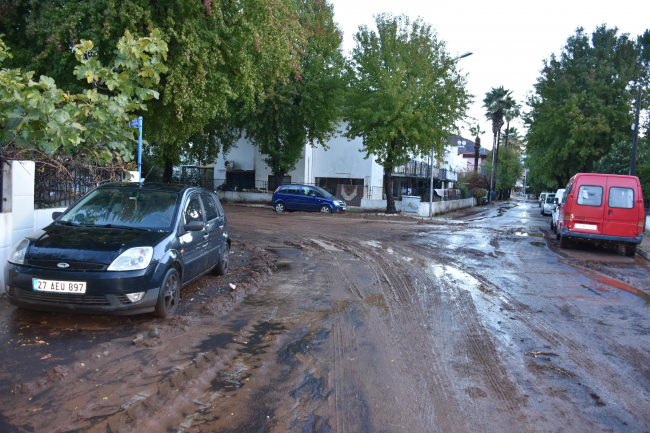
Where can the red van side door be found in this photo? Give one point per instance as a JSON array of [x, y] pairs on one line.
[[588, 204], [622, 206]]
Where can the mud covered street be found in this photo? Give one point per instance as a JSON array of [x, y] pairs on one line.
[[355, 323]]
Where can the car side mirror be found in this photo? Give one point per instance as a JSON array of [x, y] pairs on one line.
[[194, 226], [56, 215]]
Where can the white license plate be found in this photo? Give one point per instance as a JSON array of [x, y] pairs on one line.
[[586, 226], [74, 287]]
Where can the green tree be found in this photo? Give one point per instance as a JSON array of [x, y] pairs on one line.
[[497, 103], [510, 169], [513, 111], [582, 104], [476, 133], [40, 116], [405, 94], [306, 107], [219, 51]]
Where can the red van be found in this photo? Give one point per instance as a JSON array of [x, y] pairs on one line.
[[602, 208]]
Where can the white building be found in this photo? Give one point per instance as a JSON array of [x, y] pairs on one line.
[[243, 168]]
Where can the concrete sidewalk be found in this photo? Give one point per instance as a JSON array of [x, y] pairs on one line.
[[644, 248]]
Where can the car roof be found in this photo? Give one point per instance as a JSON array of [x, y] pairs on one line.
[[154, 186]]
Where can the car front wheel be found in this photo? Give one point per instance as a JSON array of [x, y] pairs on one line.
[[325, 209], [169, 295], [279, 207], [630, 250]]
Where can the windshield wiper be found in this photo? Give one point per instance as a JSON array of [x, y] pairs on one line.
[[68, 223], [116, 226]]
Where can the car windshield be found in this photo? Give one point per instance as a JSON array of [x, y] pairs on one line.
[[550, 198], [135, 208], [324, 192]]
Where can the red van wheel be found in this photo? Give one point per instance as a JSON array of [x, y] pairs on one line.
[[630, 250]]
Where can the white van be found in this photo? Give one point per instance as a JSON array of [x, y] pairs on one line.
[[559, 195]]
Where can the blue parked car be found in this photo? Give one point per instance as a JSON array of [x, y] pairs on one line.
[[307, 198]]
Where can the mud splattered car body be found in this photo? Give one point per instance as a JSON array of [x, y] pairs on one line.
[[124, 248]]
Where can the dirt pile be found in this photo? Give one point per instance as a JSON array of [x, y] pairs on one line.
[[262, 265]]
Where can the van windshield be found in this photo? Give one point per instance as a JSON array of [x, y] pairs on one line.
[[324, 192]]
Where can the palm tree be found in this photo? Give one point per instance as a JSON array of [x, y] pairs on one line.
[[512, 111], [514, 138], [476, 132], [496, 102]]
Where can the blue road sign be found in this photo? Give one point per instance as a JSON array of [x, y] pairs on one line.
[[134, 123]]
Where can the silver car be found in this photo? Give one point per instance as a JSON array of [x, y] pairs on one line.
[[549, 204], [559, 195]]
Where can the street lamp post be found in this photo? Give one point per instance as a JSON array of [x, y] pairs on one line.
[[467, 54], [635, 140]]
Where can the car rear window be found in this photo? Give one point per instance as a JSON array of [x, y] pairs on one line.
[[293, 190], [621, 197], [590, 195]]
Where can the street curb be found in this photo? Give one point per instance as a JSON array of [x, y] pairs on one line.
[[643, 253]]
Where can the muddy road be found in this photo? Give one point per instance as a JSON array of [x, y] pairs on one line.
[[355, 323]]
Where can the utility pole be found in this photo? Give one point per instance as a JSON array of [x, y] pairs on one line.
[[635, 140], [431, 184]]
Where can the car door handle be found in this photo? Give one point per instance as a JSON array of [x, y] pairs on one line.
[[610, 212]]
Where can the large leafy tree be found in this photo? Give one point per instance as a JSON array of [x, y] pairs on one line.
[[306, 107], [90, 125], [582, 104], [219, 51], [405, 94], [510, 169]]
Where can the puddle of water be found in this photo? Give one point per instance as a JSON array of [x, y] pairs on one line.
[[536, 235], [538, 244]]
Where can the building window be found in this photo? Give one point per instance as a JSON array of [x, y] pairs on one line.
[[272, 185], [330, 183]]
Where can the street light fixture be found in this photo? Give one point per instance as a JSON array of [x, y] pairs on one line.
[[462, 56]]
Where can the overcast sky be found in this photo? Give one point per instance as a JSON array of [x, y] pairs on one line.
[[509, 39]]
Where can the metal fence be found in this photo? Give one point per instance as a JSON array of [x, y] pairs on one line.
[[57, 187]]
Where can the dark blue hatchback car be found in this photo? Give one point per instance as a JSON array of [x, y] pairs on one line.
[[306, 198], [124, 248]]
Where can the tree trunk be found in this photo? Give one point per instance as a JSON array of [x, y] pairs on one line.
[[507, 133], [279, 178], [388, 188], [477, 149], [169, 170], [496, 160]]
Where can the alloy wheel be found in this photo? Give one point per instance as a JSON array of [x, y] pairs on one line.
[[172, 293]]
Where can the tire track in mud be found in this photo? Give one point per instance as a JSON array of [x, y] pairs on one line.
[[576, 352], [433, 396]]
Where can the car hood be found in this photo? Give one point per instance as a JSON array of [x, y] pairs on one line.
[[88, 244]]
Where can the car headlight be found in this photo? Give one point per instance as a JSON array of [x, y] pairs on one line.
[[17, 253], [132, 259]]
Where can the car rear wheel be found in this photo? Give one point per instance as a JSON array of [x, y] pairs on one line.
[[325, 209], [279, 207], [224, 262], [630, 250], [169, 295]]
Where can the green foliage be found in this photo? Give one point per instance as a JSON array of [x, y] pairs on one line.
[[497, 102], [509, 170], [405, 94], [219, 52], [307, 106], [476, 184], [89, 125], [582, 104]]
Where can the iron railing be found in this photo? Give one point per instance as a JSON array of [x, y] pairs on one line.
[[59, 187]]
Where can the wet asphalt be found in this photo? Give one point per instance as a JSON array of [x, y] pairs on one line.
[[474, 321]]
